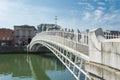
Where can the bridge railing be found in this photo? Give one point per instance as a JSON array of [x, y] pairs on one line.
[[74, 36], [111, 36]]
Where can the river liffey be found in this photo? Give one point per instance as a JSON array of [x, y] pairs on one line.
[[32, 67]]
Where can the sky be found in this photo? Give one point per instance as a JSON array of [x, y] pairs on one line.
[[76, 14]]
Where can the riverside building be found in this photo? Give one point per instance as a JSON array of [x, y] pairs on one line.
[[6, 37], [23, 34], [48, 27]]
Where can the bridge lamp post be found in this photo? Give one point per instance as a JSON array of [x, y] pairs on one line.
[[87, 30]]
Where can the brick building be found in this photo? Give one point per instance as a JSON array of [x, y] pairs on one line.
[[6, 37]]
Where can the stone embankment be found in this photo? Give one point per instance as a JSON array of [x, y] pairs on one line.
[[19, 49]]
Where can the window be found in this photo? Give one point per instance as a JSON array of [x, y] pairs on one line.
[[8, 38], [29, 32], [3, 38]]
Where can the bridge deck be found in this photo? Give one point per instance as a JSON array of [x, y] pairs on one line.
[[82, 48]]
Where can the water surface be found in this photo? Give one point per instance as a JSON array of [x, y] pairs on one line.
[[32, 67]]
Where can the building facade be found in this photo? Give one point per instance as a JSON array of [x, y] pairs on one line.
[[111, 34], [48, 27], [6, 37], [23, 34]]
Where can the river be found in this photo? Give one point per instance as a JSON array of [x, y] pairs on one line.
[[32, 67]]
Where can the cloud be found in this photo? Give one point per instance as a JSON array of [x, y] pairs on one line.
[[98, 14], [112, 18], [87, 5], [104, 15], [87, 16], [96, 19], [18, 13], [101, 3], [3, 7], [101, 8], [74, 12], [109, 20]]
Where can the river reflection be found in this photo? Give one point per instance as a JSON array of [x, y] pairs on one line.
[[32, 67]]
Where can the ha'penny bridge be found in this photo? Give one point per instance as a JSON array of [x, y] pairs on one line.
[[94, 55]]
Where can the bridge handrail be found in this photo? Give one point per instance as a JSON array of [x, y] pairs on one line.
[[74, 36]]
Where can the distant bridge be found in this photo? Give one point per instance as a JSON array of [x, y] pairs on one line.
[[84, 55]]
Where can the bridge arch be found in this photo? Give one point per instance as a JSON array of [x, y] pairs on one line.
[[71, 58], [72, 62], [35, 47], [75, 52]]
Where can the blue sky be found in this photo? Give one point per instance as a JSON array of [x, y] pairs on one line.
[[76, 14]]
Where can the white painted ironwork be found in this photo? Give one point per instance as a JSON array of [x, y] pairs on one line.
[[73, 62], [74, 36], [73, 49], [69, 47]]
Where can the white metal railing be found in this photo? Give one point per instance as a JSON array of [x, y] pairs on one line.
[[111, 36], [75, 37], [72, 62], [78, 37], [72, 54]]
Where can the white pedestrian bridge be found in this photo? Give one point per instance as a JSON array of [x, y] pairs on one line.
[[92, 56]]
